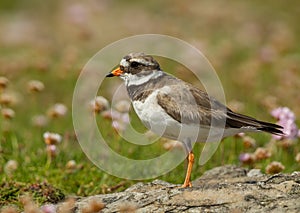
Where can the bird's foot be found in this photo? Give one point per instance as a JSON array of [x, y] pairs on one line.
[[185, 185]]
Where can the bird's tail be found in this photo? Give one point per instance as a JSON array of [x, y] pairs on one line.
[[271, 128], [236, 120]]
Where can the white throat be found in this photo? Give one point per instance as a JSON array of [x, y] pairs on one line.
[[140, 79]]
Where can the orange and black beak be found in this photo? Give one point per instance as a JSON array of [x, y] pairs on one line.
[[115, 72]]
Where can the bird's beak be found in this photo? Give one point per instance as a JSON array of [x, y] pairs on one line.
[[116, 72]]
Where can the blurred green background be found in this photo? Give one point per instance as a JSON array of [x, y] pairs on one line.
[[253, 45]]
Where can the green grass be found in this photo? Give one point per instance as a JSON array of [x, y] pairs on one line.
[[56, 52]]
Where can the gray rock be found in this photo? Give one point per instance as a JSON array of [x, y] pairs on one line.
[[222, 189], [254, 173]]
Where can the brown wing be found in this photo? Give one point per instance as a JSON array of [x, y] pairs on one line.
[[234, 120], [190, 105]]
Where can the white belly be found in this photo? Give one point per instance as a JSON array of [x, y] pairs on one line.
[[158, 121], [154, 117]]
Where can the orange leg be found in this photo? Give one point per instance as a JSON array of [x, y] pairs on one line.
[[187, 181]]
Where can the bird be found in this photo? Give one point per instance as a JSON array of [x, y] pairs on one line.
[[175, 109]]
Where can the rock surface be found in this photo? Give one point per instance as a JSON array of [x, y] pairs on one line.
[[222, 189]]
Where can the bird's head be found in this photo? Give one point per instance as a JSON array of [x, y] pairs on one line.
[[135, 64]]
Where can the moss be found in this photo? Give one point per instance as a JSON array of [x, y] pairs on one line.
[[11, 191]]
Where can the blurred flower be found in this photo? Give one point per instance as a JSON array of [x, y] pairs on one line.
[[249, 70], [6, 99], [48, 208], [261, 153], [268, 54], [171, 144], [281, 113], [297, 158], [70, 56], [249, 142], [93, 205], [42, 64], [8, 113], [35, 86], [286, 118], [269, 101], [150, 135], [236, 106], [118, 126], [51, 150], [52, 138], [9, 209], [29, 205], [19, 30], [3, 82], [240, 135], [111, 114], [10, 167], [71, 165], [57, 110], [249, 33], [77, 14], [122, 106], [100, 104], [125, 118], [119, 120], [120, 116], [247, 158], [282, 37], [286, 142], [39, 120], [274, 167], [67, 206]]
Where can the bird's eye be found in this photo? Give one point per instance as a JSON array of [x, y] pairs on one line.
[[134, 64]]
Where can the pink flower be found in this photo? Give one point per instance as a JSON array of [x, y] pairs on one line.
[[99, 104], [283, 113], [57, 110], [39, 121], [297, 158], [274, 167], [118, 126], [262, 153], [125, 118], [35, 86], [249, 142], [111, 114], [247, 158], [8, 113], [10, 167], [3, 82], [52, 150], [286, 118], [48, 208], [77, 13], [123, 106], [51, 138]]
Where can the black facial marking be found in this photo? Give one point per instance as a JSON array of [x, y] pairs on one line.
[[134, 64], [139, 62]]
